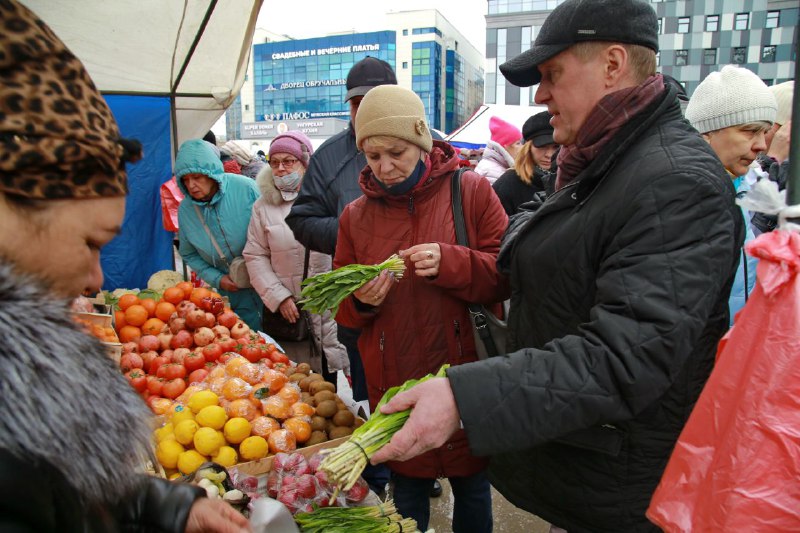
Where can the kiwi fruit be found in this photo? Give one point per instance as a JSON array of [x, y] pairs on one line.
[[326, 408], [321, 385], [344, 418], [358, 423], [296, 377], [317, 437], [303, 368], [307, 398], [339, 432], [323, 395], [318, 423]]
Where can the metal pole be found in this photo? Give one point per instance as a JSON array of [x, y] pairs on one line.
[[793, 179]]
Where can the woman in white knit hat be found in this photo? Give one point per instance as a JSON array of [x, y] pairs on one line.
[[412, 327], [733, 110]]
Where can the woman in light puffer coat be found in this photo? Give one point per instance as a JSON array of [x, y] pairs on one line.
[[275, 260]]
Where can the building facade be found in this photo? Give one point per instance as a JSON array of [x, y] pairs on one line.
[[696, 37], [301, 82]]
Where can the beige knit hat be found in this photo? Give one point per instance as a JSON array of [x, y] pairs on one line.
[[394, 111], [783, 96]]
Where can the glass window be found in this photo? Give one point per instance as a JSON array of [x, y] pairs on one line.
[[660, 25], [405, 33], [772, 19], [405, 64], [681, 57], [712, 22], [658, 59], [741, 21], [768, 53], [683, 25], [739, 55], [710, 56], [247, 107]]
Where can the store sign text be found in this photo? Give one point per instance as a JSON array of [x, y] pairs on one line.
[[327, 51]]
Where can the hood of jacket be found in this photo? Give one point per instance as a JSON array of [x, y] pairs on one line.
[[196, 156], [498, 154], [266, 184], [440, 162], [64, 401]]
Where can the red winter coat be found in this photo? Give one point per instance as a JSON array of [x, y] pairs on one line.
[[423, 323]]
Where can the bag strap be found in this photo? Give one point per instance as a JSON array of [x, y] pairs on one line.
[[476, 312], [210, 235]]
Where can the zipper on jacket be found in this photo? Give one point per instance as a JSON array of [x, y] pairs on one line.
[[410, 204], [381, 346], [457, 325]]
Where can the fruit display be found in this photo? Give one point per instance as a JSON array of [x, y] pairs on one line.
[[95, 324]]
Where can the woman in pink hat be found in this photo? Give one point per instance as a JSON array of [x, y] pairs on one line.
[[501, 149]]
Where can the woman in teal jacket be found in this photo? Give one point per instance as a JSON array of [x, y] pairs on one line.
[[225, 202]]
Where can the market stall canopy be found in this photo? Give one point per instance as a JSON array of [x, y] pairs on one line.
[[475, 131], [195, 51]]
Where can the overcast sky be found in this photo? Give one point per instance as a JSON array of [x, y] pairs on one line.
[[315, 18]]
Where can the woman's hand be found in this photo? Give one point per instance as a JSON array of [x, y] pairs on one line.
[[210, 515], [374, 291], [227, 284], [425, 258], [289, 310]]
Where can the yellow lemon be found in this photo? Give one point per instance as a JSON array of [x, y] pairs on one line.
[[174, 476], [167, 453], [180, 414], [184, 431], [226, 456], [189, 461], [201, 399], [165, 432], [236, 430], [253, 448], [208, 441], [212, 416]]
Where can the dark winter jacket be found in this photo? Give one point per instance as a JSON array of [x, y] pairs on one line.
[[423, 323], [620, 284], [73, 434], [513, 192], [329, 184]]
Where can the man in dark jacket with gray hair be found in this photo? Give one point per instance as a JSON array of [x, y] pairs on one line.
[[620, 281]]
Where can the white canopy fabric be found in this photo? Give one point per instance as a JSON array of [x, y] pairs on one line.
[[194, 51], [475, 131]]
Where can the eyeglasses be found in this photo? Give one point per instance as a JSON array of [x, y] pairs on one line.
[[287, 163]]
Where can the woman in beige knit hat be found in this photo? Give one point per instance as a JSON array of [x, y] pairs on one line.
[[413, 326]]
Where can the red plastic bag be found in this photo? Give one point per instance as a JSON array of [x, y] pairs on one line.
[[736, 465], [171, 197]]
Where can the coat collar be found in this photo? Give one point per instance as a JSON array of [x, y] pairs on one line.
[[266, 184]]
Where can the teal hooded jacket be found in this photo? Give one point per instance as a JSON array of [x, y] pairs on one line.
[[227, 215]]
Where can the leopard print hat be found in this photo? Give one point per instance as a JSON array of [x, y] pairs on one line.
[[58, 138]]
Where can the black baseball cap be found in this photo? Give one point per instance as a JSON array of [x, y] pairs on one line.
[[366, 74], [576, 21], [538, 130]]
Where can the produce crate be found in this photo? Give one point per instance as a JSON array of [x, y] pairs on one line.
[[263, 466], [104, 321]]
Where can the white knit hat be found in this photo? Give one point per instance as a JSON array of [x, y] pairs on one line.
[[783, 96], [730, 97]]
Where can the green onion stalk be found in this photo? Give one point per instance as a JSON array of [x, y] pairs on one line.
[[381, 518], [344, 464], [324, 292]]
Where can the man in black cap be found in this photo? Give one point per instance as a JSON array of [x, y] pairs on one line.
[[329, 184], [620, 283]]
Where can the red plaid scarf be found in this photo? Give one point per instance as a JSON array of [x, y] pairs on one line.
[[611, 113]]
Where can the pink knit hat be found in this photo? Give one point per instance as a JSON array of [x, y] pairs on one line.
[[292, 142], [504, 133]]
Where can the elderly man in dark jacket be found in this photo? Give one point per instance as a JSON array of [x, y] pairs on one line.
[[620, 282]]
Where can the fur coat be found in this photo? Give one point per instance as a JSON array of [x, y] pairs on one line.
[[71, 428]]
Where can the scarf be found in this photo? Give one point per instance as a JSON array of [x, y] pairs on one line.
[[405, 185], [604, 121]]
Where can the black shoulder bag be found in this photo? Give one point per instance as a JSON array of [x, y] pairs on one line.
[[489, 331]]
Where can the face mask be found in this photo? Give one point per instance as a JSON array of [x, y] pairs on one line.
[[406, 185], [288, 185]]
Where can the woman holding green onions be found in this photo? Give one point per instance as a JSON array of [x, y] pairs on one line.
[[412, 327]]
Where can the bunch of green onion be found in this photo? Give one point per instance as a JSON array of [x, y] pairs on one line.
[[344, 464], [382, 518], [326, 291]]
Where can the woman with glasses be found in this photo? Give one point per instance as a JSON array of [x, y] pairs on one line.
[[277, 262]]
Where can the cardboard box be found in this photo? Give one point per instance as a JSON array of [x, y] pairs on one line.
[[104, 321], [263, 466]]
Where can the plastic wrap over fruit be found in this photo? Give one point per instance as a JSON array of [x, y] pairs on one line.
[[736, 464]]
